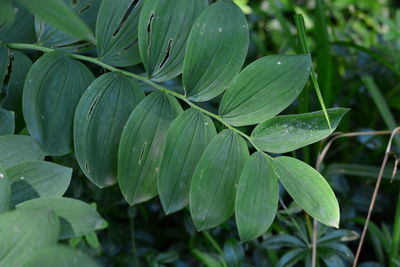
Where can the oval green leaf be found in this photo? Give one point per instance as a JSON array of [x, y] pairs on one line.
[[5, 190], [100, 117], [264, 89], [33, 179], [52, 91], [23, 232], [287, 133], [163, 30], [213, 188], [76, 217], [309, 189], [57, 14], [18, 148], [117, 32], [257, 197], [7, 122], [142, 144], [59, 256], [216, 50], [187, 138]]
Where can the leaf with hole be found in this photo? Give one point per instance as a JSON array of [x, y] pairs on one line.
[[213, 188], [256, 198], [5, 190], [211, 59], [309, 189], [7, 122], [52, 91], [264, 89], [34, 179], [18, 148], [57, 14], [163, 30], [100, 117], [76, 217], [289, 132], [4, 61], [117, 32], [187, 138], [142, 144], [26, 231], [59, 256]]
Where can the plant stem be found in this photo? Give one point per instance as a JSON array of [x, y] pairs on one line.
[[394, 248], [140, 78], [133, 241]]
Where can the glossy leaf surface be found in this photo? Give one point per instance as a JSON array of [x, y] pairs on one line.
[[33, 179], [100, 118], [211, 59], [290, 132], [52, 90], [142, 144], [187, 138], [213, 188], [264, 89], [256, 198], [309, 189], [76, 217], [163, 30]]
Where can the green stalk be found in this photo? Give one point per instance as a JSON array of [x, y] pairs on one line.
[[140, 78], [395, 246]]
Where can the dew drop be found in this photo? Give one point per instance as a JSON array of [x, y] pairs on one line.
[[1, 175], [219, 29], [22, 177], [279, 63], [206, 123]]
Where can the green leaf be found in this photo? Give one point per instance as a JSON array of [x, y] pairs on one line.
[[7, 122], [4, 61], [20, 66], [142, 144], [257, 197], [264, 88], [5, 190], [216, 49], [287, 133], [117, 32], [100, 118], [234, 253], [7, 13], [52, 91], [18, 148], [187, 138], [22, 30], [33, 179], [50, 36], [77, 218], [56, 13], [23, 232], [213, 188], [163, 30], [309, 189], [59, 256]]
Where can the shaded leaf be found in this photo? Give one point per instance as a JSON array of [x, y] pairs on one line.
[[7, 14], [5, 190], [187, 138], [213, 188], [56, 13], [7, 122], [99, 120], [142, 144], [18, 148], [292, 257], [22, 30], [4, 61], [210, 260], [117, 32], [256, 198], [61, 256], [290, 132], [211, 61], [52, 90], [163, 30], [25, 232], [309, 189], [33, 179], [233, 253], [76, 217], [264, 89], [281, 241]]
